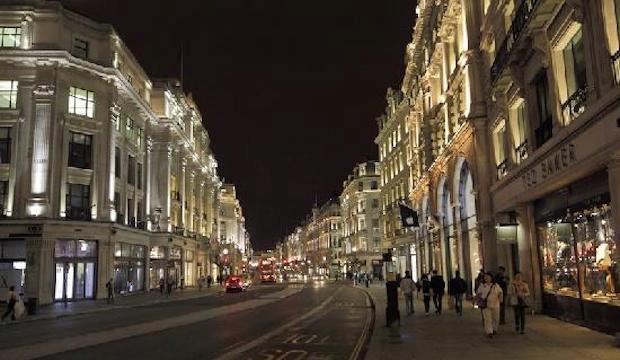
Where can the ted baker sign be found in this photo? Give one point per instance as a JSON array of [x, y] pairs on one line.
[[557, 162]]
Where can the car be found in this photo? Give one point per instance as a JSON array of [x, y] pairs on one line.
[[234, 283]]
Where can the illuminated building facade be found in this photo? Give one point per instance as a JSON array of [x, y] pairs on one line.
[[104, 173]]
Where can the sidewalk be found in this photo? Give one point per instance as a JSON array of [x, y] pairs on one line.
[[57, 310], [449, 336]]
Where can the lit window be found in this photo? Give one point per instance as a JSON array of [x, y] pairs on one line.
[[10, 37], [498, 143], [8, 94], [518, 128], [81, 102], [78, 202]]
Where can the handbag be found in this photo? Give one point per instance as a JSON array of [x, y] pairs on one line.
[[482, 302], [513, 299]]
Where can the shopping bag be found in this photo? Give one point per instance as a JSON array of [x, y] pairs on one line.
[[20, 309]]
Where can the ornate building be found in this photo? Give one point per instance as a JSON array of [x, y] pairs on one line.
[[361, 213], [103, 172]]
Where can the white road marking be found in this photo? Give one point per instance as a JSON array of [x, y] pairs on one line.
[[81, 341]]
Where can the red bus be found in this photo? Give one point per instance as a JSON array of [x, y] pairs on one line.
[[266, 271]]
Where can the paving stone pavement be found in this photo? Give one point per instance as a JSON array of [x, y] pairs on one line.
[[449, 336], [58, 310]]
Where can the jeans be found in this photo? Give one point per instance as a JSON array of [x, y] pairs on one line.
[[437, 302], [502, 311], [10, 310], [409, 303], [427, 302], [520, 318], [458, 303]]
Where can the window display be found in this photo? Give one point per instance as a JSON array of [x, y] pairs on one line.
[[578, 255], [129, 263]]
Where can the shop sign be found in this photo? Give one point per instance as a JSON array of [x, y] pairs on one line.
[[557, 162]]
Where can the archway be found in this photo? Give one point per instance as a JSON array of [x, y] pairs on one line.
[[470, 239]]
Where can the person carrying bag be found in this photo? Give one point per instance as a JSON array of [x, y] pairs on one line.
[[488, 299], [519, 293]]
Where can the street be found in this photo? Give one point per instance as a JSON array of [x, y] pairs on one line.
[[266, 322]]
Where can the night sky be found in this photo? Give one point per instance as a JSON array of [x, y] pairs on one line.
[[289, 89]]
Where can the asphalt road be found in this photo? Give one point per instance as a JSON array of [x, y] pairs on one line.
[[276, 322]]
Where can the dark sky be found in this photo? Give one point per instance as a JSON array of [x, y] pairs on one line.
[[289, 89]]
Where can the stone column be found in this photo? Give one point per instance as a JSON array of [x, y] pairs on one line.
[[40, 269], [529, 262], [601, 77], [110, 209], [190, 200], [146, 177]]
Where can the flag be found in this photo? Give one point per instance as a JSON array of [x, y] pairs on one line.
[[408, 216]]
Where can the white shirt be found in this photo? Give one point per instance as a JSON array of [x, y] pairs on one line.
[[407, 285], [492, 292]]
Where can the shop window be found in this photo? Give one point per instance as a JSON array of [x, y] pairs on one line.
[[80, 150], [8, 94], [5, 145], [578, 255], [129, 267], [10, 37], [4, 193], [75, 269], [139, 176], [81, 102], [157, 252], [78, 202]]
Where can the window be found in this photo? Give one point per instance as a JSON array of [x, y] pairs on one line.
[[374, 185], [130, 217], [5, 145], [575, 77], [375, 203], [81, 102], [117, 201], [4, 192], [139, 178], [80, 150], [545, 126], [375, 224], [10, 37], [130, 127], [8, 94], [131, 170], [78, 202], [360, 186], [519, 133], [498, 143], [80, 48], [117, 162]]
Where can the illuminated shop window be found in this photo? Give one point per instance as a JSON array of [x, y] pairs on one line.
[[10, 37], [8, 94], [81, 102]]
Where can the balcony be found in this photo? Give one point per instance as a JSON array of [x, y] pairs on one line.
[[615, 66], [544, 132], [574, 105], [502, 169], [521, 151], [521, 19], [74, 213]]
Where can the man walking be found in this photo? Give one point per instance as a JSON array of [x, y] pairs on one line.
[[11, 300], [110, 288], [457, 288], [500, 279], [209, 280], [438, 285], [407, 286]]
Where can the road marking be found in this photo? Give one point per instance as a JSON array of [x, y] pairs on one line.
[[254, 343], [81, 341]]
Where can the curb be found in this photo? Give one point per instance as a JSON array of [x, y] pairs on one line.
[[104, 309], [359, 352]]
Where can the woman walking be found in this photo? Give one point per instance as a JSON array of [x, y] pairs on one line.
[[518, 294], [489, 298]]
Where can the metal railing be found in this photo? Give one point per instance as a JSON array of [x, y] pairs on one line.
[[575, 105], [502, 169], [522, 17], [521, 151], [615, 66]]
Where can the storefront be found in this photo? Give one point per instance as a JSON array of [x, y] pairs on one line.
[[129, 268], [189, 277], [158, 265], [174, 265], [579, 271], [12, 265], [75, 269]]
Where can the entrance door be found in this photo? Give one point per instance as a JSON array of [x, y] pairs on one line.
[[74, 281]]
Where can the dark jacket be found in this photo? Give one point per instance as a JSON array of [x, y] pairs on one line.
[[438, 284], [457, 286], [501, 281], [426, 287]]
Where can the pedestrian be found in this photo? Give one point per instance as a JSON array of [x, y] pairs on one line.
[[426, 293], [11, 300], [438, 286], [110, 288], [456, 288], [407, 286], [209, 280], [518, 293], [502, 281], [169, 287], [367, 279], [201, 282], [162, 285], [488, 298]]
